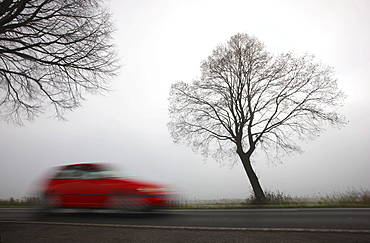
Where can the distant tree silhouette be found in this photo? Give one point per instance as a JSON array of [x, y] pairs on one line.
[[51, 53], [247, 99]]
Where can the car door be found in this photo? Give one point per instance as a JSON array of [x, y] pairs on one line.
[[95, 187], [68, 186]]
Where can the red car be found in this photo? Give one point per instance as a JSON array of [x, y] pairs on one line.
[[97, 185]]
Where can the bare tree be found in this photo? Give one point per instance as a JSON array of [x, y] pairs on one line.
[[51, 53], [247, 99]]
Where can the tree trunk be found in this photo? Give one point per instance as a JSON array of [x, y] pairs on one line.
[[257, 189]]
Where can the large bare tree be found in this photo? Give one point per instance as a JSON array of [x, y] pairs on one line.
[[247, 99], [51, 53]]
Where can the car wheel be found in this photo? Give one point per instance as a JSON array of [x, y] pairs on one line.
[[50, 202], [124, 202]]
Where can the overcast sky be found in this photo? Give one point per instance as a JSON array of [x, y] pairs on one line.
[[162, 42]]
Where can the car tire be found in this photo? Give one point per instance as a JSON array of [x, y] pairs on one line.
[[127, 202], [49, 203]]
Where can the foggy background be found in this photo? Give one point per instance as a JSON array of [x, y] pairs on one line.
[[162, 42]]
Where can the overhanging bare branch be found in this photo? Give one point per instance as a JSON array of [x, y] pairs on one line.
[[51, 51]]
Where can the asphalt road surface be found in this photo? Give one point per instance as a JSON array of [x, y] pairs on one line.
[[248, 225]]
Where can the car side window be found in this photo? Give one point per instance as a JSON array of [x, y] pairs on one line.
[[71, 172], [95, 172], [84, 172], [90, 175]]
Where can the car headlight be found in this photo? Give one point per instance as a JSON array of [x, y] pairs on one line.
[[151, 189]]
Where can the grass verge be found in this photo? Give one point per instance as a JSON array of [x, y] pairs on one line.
[[352, 198], [24, 202]]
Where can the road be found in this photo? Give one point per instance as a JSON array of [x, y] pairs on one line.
[[340, 219], [261, 222]]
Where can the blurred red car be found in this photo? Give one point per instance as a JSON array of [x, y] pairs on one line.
[[98, 185]]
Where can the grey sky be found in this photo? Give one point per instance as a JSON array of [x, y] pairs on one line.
[[162, 42]]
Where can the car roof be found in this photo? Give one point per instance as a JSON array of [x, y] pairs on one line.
[[85, 163]]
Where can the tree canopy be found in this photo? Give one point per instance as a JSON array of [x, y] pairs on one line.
[[247, 98], [52, 52]]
